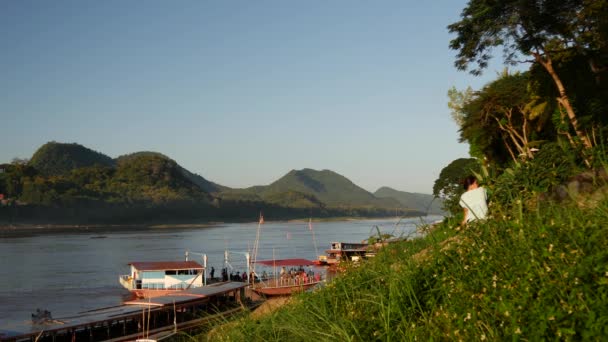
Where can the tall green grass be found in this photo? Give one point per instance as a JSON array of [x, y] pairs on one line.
[[541, 276]]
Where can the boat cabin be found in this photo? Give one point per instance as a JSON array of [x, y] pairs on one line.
[[344, 251], [163, 276]]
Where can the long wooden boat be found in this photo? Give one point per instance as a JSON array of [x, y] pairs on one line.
[[287, 283]]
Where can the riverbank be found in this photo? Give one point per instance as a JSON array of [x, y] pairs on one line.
[[37, 228], [59, 228], [541, 275]]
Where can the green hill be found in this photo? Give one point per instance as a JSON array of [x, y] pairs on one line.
[[413, 200], [55, 158], [203, 183], [198, 180], [326, 186], [154, 176]]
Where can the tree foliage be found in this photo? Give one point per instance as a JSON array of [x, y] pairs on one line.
[[457, 101], [55, 158], [448, 186], [506, 121], [543, 29]]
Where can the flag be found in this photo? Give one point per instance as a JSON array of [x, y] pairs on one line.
[[261, 219], [310, 224]]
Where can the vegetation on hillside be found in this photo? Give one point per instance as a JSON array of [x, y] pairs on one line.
[[328, 187], [544, 275], [55, 158]]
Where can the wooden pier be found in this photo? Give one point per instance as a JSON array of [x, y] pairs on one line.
[[140, 318]]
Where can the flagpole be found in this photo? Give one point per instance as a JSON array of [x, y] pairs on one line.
[[314, 241]]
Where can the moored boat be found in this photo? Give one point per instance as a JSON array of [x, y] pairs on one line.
[[344, 251], [159, 278], [287, 282]]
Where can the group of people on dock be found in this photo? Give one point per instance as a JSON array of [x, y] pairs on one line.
[[292, 276], [298, 276], [232, 276]]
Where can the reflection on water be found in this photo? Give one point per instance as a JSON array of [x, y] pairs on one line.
[[71, 272]]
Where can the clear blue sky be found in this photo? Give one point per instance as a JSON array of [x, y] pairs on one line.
[[239, 92]]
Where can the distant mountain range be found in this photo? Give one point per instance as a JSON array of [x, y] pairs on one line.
[[150, 184], [423, 202]]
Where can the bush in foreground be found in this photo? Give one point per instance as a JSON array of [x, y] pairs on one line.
[[543, 275]]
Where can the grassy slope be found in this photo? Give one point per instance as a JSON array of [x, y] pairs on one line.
[[540, 275]]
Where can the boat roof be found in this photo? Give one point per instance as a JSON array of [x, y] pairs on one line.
[[166, 265], [128, 309], [346, 250], [286, 262]]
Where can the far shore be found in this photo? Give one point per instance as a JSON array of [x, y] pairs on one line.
[[25, 227]]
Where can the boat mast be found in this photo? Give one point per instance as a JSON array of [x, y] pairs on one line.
[[257, 241]]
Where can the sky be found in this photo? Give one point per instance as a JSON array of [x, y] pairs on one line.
[[240, 92]]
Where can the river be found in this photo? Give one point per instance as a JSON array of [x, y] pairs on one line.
[[73, 271]]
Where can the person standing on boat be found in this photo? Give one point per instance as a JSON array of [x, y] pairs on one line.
[[212, 272], [473, 201]]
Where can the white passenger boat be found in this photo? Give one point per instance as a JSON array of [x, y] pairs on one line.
[[157, 278]]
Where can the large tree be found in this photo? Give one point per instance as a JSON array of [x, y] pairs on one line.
[[541, 29]]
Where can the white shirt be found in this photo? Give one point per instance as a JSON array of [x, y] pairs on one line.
[[475, 201]]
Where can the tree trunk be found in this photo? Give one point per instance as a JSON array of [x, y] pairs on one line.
[[563, 98]]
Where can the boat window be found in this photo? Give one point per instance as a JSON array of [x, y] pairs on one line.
[[183, 272], [170, 272]]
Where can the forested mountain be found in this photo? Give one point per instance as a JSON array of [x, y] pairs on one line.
[[55, 158], [153, 176], [72, 182], [201, 182], [422, 202], [325, 186]]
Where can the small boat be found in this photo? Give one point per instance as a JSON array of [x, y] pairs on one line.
[[344, 251], [159, 278], [287, 282]]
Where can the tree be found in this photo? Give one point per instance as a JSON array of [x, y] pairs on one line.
[[542, 29], [448, 186], [457, 101], [505, 120]]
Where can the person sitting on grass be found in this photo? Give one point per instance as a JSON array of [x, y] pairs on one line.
[[473, 201]]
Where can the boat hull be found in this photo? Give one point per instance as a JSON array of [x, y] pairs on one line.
[[287, 290], [149, 293]]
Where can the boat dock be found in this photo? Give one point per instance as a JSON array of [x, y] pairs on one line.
[[154, 316]]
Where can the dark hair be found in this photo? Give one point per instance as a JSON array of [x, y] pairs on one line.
[[468, 181]]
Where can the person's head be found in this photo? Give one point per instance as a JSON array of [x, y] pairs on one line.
[[468, 182]]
